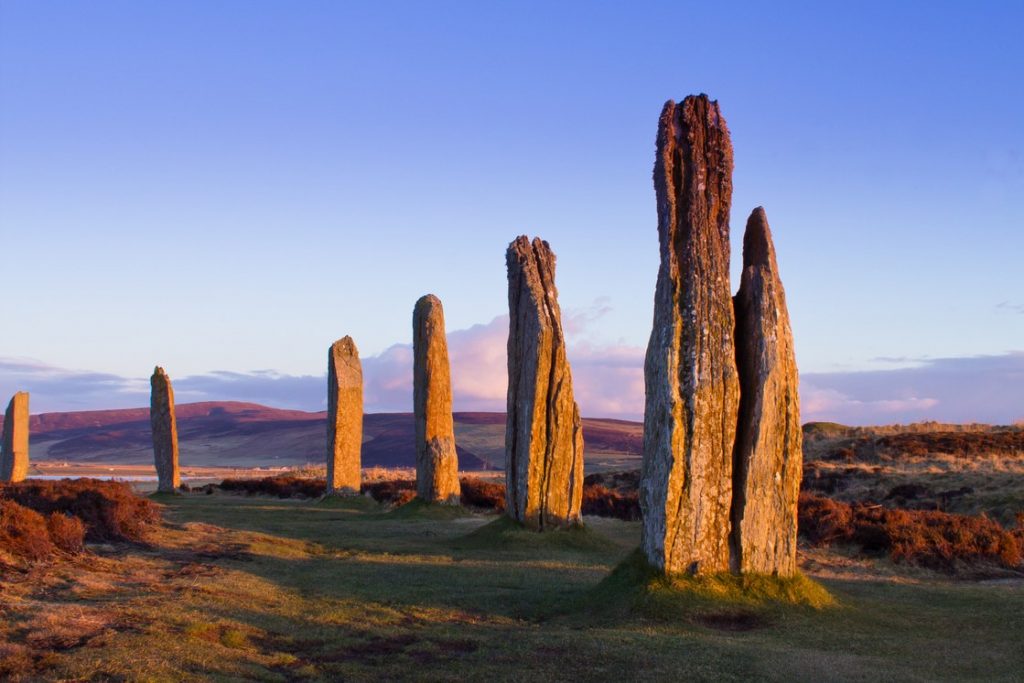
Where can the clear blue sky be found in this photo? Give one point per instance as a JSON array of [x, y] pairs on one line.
[[233, 185]]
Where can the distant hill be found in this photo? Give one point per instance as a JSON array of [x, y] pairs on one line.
[[234, 434]]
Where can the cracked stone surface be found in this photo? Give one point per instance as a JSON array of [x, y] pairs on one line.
[[14, 451], [768, 457], [344, 417], [437, 464], [543, 432], [692, 386], [165, 431]]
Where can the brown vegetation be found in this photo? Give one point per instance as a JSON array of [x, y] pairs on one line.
[[928, 538], [283, 486], [604, 502], [1010, 442], [108, 510]]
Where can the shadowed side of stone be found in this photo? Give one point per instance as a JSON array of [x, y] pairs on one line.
[[437, 464], [344, 417], [165, 431], [14, 449], [692, 387], [543, 433], [768, 457]]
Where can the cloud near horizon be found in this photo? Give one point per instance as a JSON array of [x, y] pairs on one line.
[[608, 382]]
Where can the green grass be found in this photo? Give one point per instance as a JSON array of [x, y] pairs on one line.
[[247, 588]]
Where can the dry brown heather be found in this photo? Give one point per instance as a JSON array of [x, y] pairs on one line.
[[344, 417], [437, 464], [768, 456], [692, 386], [165, 431], [964, 472], [929, 538], [543, 434], [14, 448]]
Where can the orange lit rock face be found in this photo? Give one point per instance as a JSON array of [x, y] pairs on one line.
[[165, 431], [14, 451], [768, 459], [722, 438], [692, 386], [543, 435], [344, 417], [437, 465]]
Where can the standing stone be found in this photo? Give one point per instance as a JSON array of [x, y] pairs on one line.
[[344, 417], [543, 433], [437, 464], [768, 456], [690, 370], [165, 431], [14, 451]]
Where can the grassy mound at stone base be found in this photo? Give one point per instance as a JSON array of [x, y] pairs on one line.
[[421, 509], [723, 601], [506, 534]]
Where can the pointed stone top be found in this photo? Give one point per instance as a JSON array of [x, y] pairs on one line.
[[345, 346], [159, 371], [758, 249]]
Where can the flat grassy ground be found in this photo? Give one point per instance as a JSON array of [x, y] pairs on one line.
[[242, 588]]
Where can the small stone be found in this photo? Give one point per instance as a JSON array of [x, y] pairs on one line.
[[768, 458], [437, 464], [14, 451], [165, 431], [543, 432], [344, 417]]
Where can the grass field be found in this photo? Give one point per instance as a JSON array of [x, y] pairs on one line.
[[264, 589]]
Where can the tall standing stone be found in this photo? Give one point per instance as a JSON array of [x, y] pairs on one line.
[[768, 456], [543, 433], [165, 431], [437, 464], [14, 451], [344, 417], [690, 370]]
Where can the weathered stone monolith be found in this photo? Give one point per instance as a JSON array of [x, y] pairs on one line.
[[165, 431], [344, 417], [768, 457], [690, 370], [437, 464], [14, 451], [543, 433]]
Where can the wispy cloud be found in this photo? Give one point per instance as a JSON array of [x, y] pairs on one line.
[[969, 389], [608, 381], [1008, 307]]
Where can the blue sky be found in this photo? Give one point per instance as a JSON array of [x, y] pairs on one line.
[[228, 187]]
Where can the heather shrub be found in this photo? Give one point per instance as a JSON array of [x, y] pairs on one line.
[[603, 502], [23, 532], [66, 532], [391, 491], [109, 510], [281, 486], [928, 538], [478, 493]]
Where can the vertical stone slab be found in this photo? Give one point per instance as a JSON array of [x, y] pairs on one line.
[[690, 370], [768, 458], [543, 433], [165, 431], [344, 417], [14, 451], [437, 464]]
